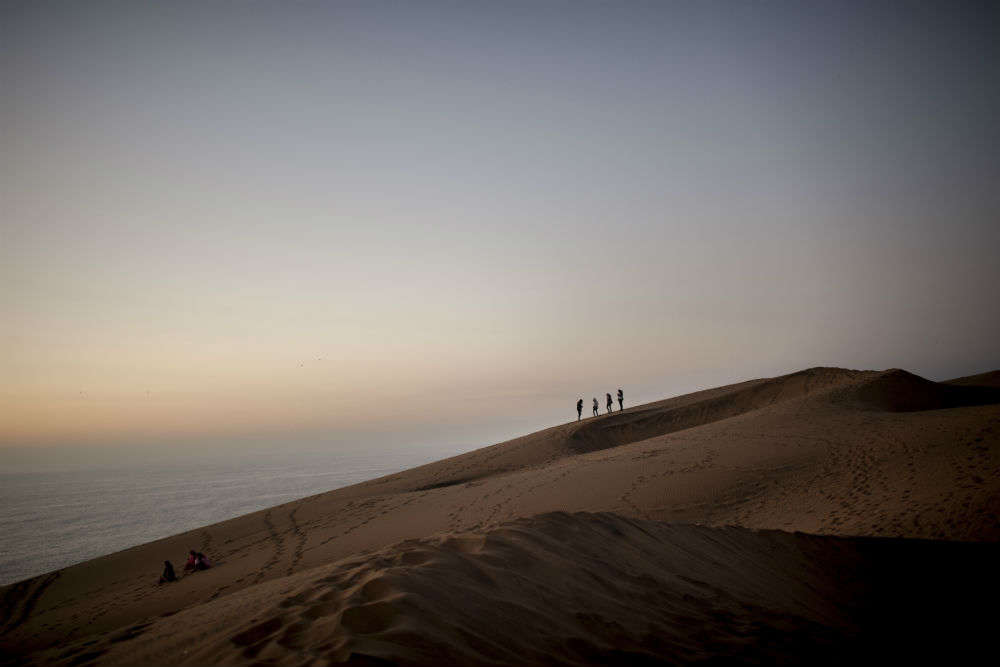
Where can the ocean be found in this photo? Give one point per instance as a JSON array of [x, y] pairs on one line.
[[57, 514]]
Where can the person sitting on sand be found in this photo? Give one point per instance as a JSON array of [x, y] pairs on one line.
[[595, 406], [621, 400], [196, 561], [579, 409], [201, 561], [611, 404], [168, 573]]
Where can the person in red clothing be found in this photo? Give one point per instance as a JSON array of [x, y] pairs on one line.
[[196, 561]]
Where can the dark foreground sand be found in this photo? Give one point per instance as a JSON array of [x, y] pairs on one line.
[[658, 535]]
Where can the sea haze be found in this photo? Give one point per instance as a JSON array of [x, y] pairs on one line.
[[56, 514]]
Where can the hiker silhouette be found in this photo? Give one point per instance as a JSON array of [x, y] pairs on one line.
[[621, 399], [595, 406], [579, 409], [611, 403]]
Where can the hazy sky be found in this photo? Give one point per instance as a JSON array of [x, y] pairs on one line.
[[414, 221]]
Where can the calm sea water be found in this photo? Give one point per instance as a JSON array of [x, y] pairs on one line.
[[54, 515]]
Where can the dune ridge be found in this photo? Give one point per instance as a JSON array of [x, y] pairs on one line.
[[833, 452], [988, 379], [897, 390]]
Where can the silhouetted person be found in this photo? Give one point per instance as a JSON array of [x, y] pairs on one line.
[[168, 573], [189, 566], [579, 409], [611, 404], [621, 399], [595, 406]]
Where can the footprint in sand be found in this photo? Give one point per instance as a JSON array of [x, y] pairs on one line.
[[300, 540], [279, 547]]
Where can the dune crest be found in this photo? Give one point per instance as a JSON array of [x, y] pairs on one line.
[[632, 425], [988, 379], [897, 390]]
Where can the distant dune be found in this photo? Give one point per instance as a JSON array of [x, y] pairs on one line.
[[990, 379], [660, 534]]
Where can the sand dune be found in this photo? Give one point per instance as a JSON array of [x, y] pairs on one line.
[[899, 391], [586, 589], [825, 451], [990, 379]]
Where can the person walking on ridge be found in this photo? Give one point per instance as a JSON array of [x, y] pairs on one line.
[[579, 409], [595, 406], [621, 399], [611, 404]]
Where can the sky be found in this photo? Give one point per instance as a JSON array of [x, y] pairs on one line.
[[376, 223]]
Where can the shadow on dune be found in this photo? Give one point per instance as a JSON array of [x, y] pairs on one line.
[[586, 589]]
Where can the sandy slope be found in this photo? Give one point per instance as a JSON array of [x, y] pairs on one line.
[[825, 451], [587, 589]]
